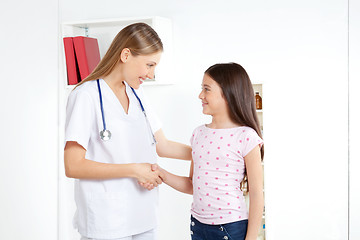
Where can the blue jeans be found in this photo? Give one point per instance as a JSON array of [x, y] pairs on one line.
[[230, 231]]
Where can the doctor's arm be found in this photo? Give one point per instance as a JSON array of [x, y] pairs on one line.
[[169, 149], [77, 166]]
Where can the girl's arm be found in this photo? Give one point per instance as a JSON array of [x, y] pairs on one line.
[[180, 183], [170, 149], [76, 166], [256, 195]]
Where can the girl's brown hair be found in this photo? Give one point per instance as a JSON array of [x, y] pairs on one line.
[[239, 95], [139, 38]]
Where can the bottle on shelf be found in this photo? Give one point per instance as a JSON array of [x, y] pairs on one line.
[[261, 234], [263, 227], [258, 101]]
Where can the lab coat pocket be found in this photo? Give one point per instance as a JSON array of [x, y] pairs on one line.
[[106, 211]]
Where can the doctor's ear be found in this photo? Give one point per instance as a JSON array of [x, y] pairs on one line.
[[125, 54]]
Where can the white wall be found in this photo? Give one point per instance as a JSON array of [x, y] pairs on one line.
[[306, 122], [28, 103], [354, 76], [299, 50]]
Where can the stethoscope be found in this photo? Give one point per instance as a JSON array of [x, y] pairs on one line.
[[105, 134]]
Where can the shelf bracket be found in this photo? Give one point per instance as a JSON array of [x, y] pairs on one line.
[[86, 32]]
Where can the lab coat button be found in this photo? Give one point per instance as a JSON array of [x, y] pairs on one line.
[[225, 237], [192, 224]]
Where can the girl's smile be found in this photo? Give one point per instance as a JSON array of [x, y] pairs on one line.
[[211, 96]]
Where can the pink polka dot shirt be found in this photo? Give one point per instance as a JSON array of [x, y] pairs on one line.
[[219, 167]]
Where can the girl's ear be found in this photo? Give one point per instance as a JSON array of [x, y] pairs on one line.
[[125, 54]]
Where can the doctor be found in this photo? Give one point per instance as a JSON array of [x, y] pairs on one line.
[[112, 138]]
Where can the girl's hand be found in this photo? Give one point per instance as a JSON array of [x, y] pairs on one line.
[[146, 177], [155, 167]]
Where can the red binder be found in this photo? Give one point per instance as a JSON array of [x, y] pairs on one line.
[[87, 54], [72, 70]]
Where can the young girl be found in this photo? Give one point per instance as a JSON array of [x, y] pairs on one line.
[[227, 155]]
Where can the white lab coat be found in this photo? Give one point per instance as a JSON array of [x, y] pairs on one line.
[[112, 208]]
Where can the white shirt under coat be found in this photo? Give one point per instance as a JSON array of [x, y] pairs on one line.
[[113, 208]]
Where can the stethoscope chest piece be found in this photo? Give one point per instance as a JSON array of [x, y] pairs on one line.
[[105, 135]]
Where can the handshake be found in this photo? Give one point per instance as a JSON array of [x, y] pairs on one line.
[[150, 176]]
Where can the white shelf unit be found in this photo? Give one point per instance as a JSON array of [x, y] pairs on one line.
[[104, 30]]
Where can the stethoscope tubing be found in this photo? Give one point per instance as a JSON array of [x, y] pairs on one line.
[[146, 118], [142, 109], [101, 105]]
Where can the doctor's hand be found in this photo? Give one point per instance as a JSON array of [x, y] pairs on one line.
[[155, 167], [146, 177]]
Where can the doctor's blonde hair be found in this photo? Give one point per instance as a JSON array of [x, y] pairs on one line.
[[139, 38]]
